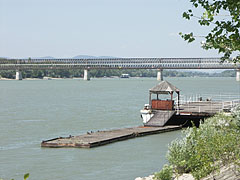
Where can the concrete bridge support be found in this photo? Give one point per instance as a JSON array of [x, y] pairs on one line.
[[18, 75], [160, 75], [238, 75], [86, 76]]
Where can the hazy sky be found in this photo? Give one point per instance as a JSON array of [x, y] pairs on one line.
[[120, 28]]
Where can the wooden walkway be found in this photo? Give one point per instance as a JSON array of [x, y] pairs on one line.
[[160, 118], [100, 138], [203, 107]]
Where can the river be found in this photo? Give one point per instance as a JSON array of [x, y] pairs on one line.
[[36, 110]]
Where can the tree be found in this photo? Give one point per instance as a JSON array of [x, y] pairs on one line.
[[223, 17]]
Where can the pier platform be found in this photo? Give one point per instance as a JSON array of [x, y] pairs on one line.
[[100, 138]]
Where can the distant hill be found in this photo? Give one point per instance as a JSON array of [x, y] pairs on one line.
[[211, 71], [45, 57], [91, 57], [75, 57], [107, 57]]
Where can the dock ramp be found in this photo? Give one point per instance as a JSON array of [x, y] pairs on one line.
[[160, 118]]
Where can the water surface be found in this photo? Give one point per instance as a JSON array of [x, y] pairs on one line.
[[36, 110]]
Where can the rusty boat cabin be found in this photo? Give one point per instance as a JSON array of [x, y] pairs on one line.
[[164, 88]]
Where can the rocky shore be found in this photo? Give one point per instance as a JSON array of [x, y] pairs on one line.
[[226, 173]]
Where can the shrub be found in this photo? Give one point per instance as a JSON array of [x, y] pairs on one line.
[[236, 115], [165, 174], [203, 150]]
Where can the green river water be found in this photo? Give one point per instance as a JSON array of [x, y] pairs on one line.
[[36, 110]]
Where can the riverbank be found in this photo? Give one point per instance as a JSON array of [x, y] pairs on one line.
[[48, 78], [225, 173], [208, 152], [111, 73], [113, 77]]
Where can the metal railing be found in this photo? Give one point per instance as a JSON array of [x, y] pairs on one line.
[[215, 103], [230, 104], [207, 97]]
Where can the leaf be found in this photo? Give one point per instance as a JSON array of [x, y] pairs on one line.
[[186, 15], [219, 32], [191, 39], [195, 5], [26, 176]]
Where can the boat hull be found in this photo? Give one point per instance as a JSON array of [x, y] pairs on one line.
[[184, 120], [146, 115]]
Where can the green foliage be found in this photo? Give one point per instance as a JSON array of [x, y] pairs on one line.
[[165, 174], [223, 17], [109, 73], [236, 115], [203, 150], [26, 176], [7, 74]]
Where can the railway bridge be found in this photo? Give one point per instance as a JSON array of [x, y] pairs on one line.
[[118, 63]]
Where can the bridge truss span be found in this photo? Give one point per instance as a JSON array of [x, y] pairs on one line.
[[117, 63]]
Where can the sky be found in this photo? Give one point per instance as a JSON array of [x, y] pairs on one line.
[[119, 28]]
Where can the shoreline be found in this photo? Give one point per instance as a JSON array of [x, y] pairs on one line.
[[115, 77], [226, 172]]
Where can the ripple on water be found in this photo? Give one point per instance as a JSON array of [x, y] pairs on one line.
[[18, 145], [32, 120]]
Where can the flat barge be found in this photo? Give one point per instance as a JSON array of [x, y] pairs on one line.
[[100, 138]]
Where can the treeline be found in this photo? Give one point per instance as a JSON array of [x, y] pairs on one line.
[[111, 72]]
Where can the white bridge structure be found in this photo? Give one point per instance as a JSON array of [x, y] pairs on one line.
[[118, 63]]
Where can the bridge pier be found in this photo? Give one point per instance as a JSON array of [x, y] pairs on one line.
[[238, 75], [18, 75], [86, 76], [160, 75]]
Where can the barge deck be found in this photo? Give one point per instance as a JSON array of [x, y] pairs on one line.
[[100, 138]]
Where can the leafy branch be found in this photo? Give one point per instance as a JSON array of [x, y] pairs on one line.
[[224, 35]]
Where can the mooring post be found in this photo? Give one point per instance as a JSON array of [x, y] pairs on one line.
[[160, 75], [238, 75], [150, 99], [18, 75], [86, 76]]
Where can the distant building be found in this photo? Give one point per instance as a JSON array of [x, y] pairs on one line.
[[124, 76]]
